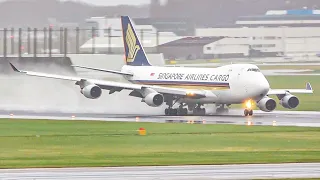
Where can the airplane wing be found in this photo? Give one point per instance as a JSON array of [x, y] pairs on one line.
[[111, 85], [307, 90], [104, 70]]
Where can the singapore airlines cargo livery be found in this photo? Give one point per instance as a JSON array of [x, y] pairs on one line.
[[184, 89]]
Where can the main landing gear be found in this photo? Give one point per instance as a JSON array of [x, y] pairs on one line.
[[222, 110], [248, 112], [181, 111], [198, 111]]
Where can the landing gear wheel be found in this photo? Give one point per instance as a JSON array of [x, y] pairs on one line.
[[174, 112], [182, 111], [199, 111], [203, 111], [171, 112], [222, 111], [248, 112], [166, 111]]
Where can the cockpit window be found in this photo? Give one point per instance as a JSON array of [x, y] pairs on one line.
[[254, 69]]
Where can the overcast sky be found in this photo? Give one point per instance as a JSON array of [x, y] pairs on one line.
[[109, 2], [114, 2]]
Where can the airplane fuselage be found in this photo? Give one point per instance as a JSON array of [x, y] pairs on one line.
[[230, 84]]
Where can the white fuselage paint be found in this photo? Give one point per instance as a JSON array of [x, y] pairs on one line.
[[229, 84]]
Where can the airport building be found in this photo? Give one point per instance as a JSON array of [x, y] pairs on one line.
[[276, 33]]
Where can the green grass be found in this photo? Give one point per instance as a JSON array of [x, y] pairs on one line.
[[294, 67], [40, 143]]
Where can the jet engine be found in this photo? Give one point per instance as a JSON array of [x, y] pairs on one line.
[[154, 99], [91, 91], [289, 101], [267, 104]]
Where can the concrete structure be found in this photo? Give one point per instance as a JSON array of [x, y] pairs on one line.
[[277, 33], [292, 32], [282, 40], [102, 44]]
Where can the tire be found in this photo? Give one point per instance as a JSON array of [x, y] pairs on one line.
[[174, 112], [180, 112], [166, 112], [185, 111], [203, 112], [251, 112], [246, 112]]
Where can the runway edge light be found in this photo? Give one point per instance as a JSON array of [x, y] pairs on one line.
[[142, 131]]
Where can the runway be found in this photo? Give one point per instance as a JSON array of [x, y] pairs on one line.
[[279, 118], [212, 172]]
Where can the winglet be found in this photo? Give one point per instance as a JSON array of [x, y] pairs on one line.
[[14, 68], [308, 86]]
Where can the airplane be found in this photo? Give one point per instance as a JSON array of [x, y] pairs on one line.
[[186, 87]]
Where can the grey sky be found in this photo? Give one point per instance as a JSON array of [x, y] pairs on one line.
[[114, 2]]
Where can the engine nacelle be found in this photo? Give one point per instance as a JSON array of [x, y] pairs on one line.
[[267, 104], [91, 91], [154, 99], [289, 101]]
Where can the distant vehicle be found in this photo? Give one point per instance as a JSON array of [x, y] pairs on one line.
[[187, 87]]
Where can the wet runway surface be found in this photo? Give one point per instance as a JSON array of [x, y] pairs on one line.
[[279, 118]]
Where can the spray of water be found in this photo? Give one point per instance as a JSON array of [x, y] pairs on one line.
[[21, 92]]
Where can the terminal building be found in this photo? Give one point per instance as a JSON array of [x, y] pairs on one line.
[[276, 33]]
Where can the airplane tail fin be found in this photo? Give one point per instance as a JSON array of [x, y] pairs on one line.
[[309, 87], [134, 52]]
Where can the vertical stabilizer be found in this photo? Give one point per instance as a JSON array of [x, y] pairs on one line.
[[134, 52]]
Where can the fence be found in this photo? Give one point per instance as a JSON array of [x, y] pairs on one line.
[[62, 41]]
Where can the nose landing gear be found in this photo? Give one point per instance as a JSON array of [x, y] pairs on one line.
[[248, 112]]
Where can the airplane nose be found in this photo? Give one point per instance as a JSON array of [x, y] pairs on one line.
[[264, 87]]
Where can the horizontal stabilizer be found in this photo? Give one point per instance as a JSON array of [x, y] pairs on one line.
[[14, 68], [104, 70]]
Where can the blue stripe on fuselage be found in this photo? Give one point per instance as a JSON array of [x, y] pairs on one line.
[[181, 83]]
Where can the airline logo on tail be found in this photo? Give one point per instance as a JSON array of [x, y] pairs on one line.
[[133, 47], [134, 52]]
